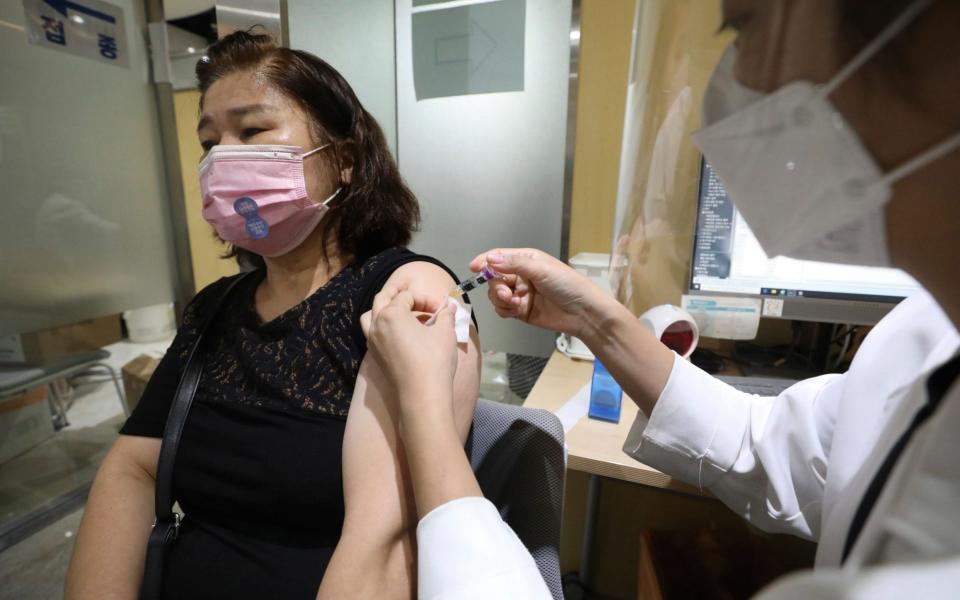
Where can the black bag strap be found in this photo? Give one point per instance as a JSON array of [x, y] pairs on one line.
[[177, 417], [938, 384]]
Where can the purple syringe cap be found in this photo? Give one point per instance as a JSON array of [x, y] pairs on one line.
[[489, 273]]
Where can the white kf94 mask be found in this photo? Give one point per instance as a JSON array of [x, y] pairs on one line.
[[797, 171]]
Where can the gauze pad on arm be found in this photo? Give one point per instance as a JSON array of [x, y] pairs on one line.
[[462, 321]]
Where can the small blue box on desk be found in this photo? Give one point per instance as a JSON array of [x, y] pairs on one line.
[[605, 395]]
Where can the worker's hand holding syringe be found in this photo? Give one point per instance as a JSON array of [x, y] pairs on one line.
[[537, 288]]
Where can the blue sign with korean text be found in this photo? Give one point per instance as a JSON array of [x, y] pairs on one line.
[[88, 28]]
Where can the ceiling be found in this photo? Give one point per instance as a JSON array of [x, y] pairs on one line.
[[177, 9]]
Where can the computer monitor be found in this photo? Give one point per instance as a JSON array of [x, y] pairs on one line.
[[728, 260]]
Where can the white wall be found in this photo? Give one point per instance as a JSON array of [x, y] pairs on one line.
[[488, 168], [356, 37]]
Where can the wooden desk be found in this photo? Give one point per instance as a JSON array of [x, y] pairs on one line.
[[596, 447]]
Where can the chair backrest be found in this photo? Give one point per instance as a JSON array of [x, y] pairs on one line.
[[517, 456]]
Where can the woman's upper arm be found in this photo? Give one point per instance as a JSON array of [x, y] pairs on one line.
[[139, 453], [431, 279], [376, 550], [428, 278], [374, 470]]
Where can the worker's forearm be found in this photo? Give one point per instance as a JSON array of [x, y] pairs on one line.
[[108, 558], [439, 469], [635, 358]]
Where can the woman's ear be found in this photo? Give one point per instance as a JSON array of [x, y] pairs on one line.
[[345, 154]]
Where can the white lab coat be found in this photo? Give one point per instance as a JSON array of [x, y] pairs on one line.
[[798, 463]]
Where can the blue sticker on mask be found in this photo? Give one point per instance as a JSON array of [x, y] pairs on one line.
[[257, 228]]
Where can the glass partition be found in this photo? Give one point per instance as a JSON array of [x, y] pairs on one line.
[[85, 234], [85, 228]]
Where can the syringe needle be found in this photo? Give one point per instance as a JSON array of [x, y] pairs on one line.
[[475, 281]]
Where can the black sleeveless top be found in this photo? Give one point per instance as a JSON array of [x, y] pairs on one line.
[[258, 471]]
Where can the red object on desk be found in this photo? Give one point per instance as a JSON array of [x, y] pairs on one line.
[[678, 337]]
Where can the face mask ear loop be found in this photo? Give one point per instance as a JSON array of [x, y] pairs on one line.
[[894, 28], [332, 196], [315, 150], [918, 162]]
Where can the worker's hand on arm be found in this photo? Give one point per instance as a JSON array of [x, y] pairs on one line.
[[411, 410], [420, 360], [464, 549], [540, 290]]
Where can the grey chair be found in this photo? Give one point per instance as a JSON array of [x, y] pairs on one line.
[[14, 380], [517, 456]]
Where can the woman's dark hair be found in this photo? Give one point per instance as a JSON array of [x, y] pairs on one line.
[[376, 210], [866, 19]]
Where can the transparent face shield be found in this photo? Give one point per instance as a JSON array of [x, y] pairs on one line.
[[674, 50], [788, 122]]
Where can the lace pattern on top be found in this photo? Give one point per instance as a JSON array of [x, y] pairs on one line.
[[305, 361]]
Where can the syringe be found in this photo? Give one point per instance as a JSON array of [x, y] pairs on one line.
[[471, 283]]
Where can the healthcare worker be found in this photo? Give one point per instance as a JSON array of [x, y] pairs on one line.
[[835, 127]]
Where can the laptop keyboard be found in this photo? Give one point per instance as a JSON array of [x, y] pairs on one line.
[[762, 386]]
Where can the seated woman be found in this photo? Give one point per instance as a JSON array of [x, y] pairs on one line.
[[289, 470]]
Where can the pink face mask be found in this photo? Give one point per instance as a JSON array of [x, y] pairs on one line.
[[256, 197]]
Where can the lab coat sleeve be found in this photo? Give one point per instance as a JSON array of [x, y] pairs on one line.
[[930, 580], [764, 457], [465, 551]]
